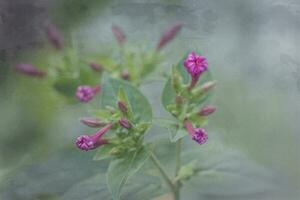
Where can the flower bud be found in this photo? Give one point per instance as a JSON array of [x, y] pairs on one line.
[[92, 122], [208, 85], [54, 37], [96, 67], [120, 36], [125, 75], [169, 35], [89, 142], [207, 110], [125, 123], [122, 106], [203, 88], [30, 70], [86, 93]]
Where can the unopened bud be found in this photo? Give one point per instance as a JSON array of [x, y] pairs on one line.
[[54, 36], [96, 67], [119, 34], [203, 88], [208, 85], [122, 106], [125, 123], [125, 75], [30, 70], [92, 122], [207, 110], [169, 35]]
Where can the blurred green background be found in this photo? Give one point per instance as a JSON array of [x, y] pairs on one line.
[[253, 52]]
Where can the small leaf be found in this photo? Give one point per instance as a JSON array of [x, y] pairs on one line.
[[121, 169]]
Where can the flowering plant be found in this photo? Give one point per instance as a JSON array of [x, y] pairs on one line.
[[124, 116]]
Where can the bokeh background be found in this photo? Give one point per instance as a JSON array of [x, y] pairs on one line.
[[253, 51]]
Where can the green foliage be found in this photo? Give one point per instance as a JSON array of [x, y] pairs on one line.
[[121, 169], [138, 102]]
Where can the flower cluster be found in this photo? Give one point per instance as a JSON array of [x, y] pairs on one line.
[[189, 95], [128, 132]]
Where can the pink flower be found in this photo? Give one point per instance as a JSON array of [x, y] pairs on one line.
[[89, 142], [30, 70], [195, 64], [120, 36], [54, 37], [197, 134], [86, 93], [169, 35], [200, 135], [207, 110]]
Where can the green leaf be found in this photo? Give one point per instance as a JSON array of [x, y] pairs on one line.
[[121, 169], [141, 108], [175, 132], [103, 152]]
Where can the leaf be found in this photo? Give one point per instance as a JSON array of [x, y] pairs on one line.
[[141, 108], [227, 173], [121, 169], [103, 152], [171, 124]]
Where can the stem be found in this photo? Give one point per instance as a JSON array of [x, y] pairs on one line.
[[178, 165], [162, 171]]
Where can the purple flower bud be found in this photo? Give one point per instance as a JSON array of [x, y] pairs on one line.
[[125, 123], [92, 122], [89, 142], [96, 67], [54, 37], [30, 70], [122, 106], [169, 35], [120, 36], [195, 66], [198, 134], [207, 110], [86, 93], [125, 75]]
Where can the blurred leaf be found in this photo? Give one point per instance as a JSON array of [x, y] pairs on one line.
[[109, 97], [121, 169], [226, 172], [140, 186]]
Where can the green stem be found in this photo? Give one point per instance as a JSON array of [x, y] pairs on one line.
[[178, 165], [162, 171]]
